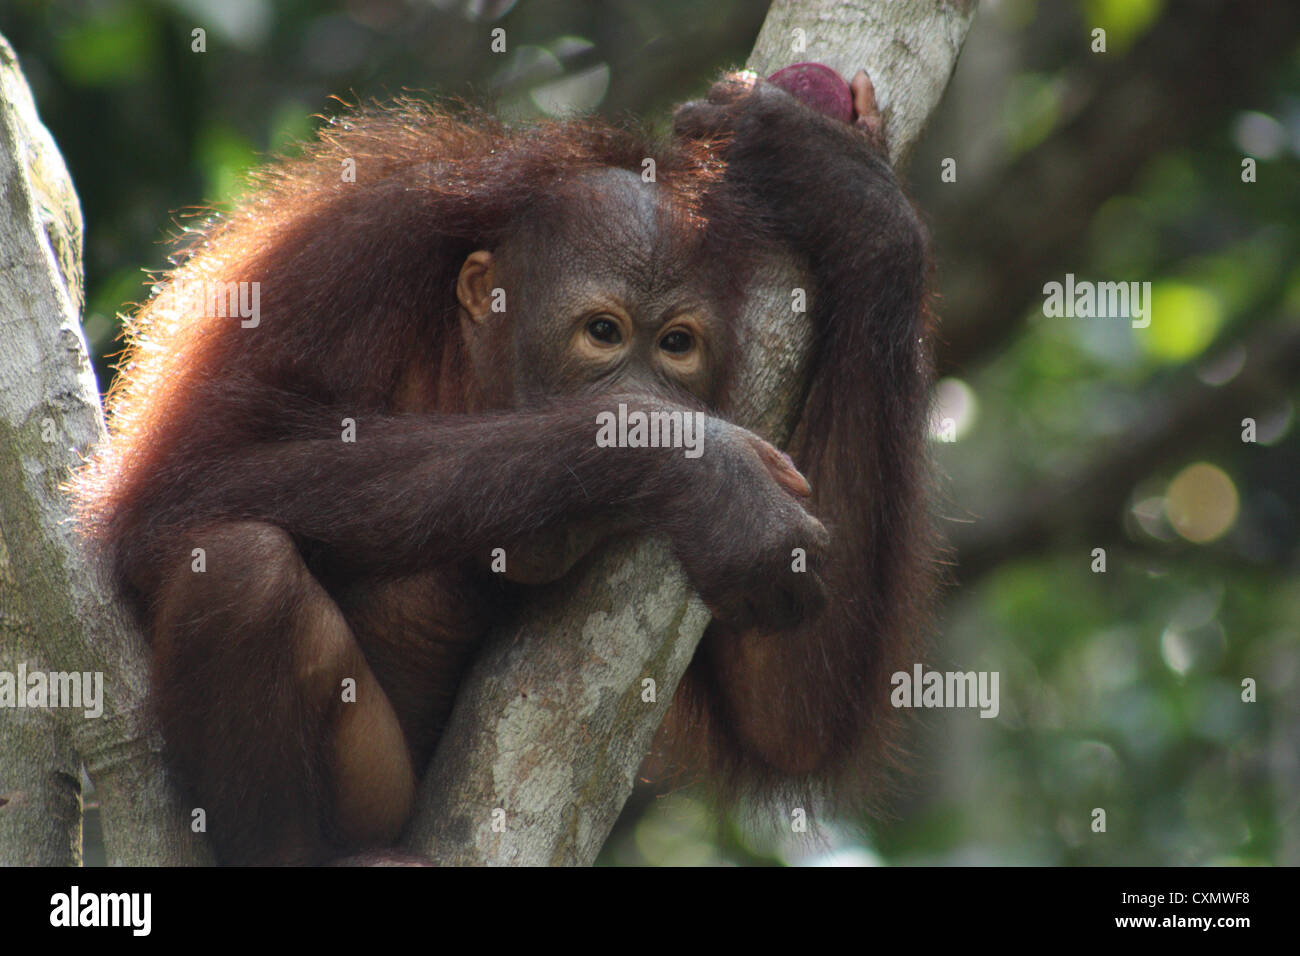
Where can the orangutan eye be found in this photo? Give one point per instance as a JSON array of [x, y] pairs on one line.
[[677, 342], [604, 330]]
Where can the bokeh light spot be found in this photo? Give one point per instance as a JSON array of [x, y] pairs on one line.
[[1201, 503]]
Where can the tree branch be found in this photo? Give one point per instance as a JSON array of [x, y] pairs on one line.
[[1193, 68], [1184, 419], [553, 735]]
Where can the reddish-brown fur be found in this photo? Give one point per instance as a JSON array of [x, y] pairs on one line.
[[226, 439]]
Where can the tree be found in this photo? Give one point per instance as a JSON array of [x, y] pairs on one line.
[[581, 756], [58, 610]]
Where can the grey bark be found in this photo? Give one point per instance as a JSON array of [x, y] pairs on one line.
[[57, 611], [543, 746], [552, 736]]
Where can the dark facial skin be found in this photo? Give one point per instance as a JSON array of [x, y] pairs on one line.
[[581, 315]]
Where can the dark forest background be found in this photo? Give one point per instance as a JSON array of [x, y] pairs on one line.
[[1120, 690]]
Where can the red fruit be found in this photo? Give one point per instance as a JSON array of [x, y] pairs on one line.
[[817, 86]]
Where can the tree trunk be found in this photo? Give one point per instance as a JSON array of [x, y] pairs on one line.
[[57, 611], [550, 726]]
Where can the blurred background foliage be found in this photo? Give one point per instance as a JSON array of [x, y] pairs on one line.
[[1121, 690]]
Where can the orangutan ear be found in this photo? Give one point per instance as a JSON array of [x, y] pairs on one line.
[[474, 285]]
